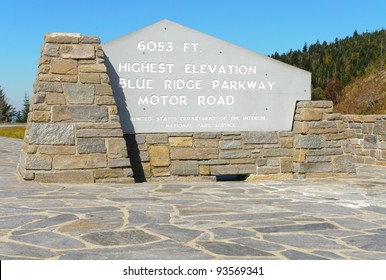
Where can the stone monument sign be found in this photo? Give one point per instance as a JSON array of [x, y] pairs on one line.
[[170, 103], [170, 78]]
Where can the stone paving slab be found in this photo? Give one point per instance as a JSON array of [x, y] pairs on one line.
[[334, 218]]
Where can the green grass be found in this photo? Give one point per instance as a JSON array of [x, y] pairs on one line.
[[13, 132]]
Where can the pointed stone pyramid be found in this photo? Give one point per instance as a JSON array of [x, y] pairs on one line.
[[73, 132]]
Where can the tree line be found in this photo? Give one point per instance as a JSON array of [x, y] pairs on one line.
[[335, 65], [8, 112]]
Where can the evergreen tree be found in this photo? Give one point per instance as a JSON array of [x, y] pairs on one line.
[[7, 111], [22, 115], [343, 60]]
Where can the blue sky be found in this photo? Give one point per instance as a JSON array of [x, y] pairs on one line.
[[262, 26]]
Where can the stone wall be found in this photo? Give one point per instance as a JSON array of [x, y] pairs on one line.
[[315, 148], [367, 138], [73, 132]]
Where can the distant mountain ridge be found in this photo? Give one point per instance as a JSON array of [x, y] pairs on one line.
[[351, 66]]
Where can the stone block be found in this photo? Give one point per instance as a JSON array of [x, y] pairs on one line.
[[90, 133], [48, 87], [39, 98], [309, 141], [325, 152], [299, 155], [382, 145], [242, 160], [114, 119], [159, 155], [105, 78], [277, 152], [51, 50], [262, 162], [79, 93], [314, 104], [206, 143], [58, 78], [370, 142], [29, 149], [380, 127], [91, 145], [105, 100], [181, 141], [103, 90], [230, 144], [334, 117], [79, 114], [204, 170], [337, 144], [109, 173], [64, 66], [160, 172], [230, 154], [317, 167], [206, 135], [343, 164], [93, 68], [371, 161], [319, 159], [185, 168], [287, 142], [119, 163], [367, 128], [44, 59], [214, 162], [273, 161], [90, 78], [52, 134], [77, 51], [311, 114], [89, 40], [240, 169], [57, 150], [300, 127], [193, 153], [381, 162], [69, 177], [44, 69], [84, 161], [54, 98], [101, 125], [268, 170], [62, 38], [157, 138], [25, 174], [116, 148], [261, 138], [286, 165], [335, 136], [323, 127], [40, 116], [35, 162], [113, 110]]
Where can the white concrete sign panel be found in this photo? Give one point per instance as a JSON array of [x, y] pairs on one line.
[[169, 78]]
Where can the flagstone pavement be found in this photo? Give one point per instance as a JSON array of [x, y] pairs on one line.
[[335, 218]]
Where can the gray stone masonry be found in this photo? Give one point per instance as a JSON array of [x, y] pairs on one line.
[[366, 138], [74, 134], [73, 131], [315, 148]]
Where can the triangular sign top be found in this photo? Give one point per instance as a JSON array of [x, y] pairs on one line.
[[170, 78]]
